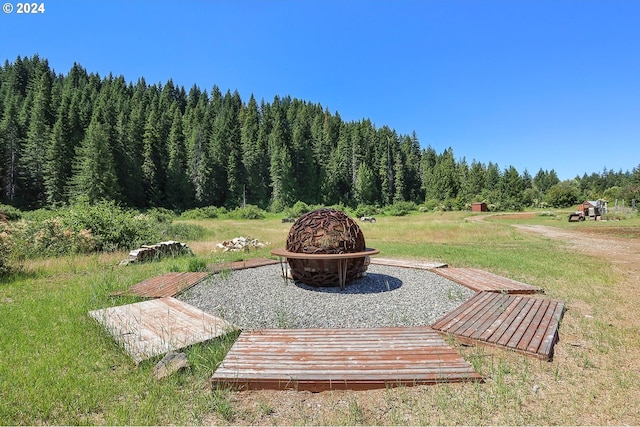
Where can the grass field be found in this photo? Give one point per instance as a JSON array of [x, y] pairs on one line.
[[57, 365]]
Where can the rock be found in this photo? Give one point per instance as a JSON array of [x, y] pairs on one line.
[[240, 244], [172, 362]]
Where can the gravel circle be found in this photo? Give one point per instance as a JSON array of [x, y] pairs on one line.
[[259, 298]]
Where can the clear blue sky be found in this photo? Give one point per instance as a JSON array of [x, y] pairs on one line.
[[530, 84]]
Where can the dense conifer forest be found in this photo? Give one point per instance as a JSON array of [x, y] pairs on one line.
[[158, 145]]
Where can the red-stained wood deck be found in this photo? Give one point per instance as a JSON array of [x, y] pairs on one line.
[[521, 323], [480, 280], [338, 359], [166, 285], [154, 327]]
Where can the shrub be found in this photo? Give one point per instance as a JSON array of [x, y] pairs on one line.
[[401, 208], [365, 210], [430, 205], [113, 227], [248, 212], [208, 212], [81, 228], [9, 213], [161, 214], [299, 209], [4, 252]]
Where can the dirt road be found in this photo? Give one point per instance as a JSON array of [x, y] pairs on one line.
[[609, 243]]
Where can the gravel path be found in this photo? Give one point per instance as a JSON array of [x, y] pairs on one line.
[[258, 298]]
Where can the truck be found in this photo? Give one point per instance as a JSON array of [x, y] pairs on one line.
[[576, 216]]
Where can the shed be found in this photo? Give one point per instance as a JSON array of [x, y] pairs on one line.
[[594, 208], [479, 207]]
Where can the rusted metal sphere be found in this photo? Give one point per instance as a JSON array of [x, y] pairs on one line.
[[325, 231]]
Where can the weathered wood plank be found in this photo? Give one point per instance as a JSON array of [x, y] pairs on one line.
[[166, 285], [325, 359], [151, 328], [551, 335], [521, 323], [484, 281], [453, 318]]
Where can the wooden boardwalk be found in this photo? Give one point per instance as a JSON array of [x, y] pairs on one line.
[[154, 327], [166, 285], [521, 323], [480, 280], [338, 359]]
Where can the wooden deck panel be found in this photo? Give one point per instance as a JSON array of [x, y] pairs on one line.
[[420, 265], [521, 323], [330, 359], [484, 281], [154, 327], [166, 285]]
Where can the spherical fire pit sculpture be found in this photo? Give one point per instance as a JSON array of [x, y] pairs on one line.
[[326, 231]]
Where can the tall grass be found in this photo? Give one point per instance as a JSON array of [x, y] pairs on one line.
[[58, 366]]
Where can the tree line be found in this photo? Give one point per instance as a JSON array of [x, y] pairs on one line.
[[157, 145]]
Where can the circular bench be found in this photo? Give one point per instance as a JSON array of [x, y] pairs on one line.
[[335, 262]]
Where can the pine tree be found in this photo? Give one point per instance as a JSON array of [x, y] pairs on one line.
[[58, 168], [304, 166], [476, 180], [254, 161], [399, 178], [366, 186], [153, 155], [281, 168], [10, 144], [427, 166], [178, 186], [35, 146], [95, 177], [198, 151], [446, 179], [236, 176]]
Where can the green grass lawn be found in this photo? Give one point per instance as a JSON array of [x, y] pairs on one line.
[[58, 366]]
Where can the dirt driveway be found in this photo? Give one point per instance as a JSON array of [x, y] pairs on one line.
[[619, 245]]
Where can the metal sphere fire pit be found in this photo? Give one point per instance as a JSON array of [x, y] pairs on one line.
[[332, 235]]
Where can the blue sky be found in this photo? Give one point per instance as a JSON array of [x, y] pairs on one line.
[[529, 84]]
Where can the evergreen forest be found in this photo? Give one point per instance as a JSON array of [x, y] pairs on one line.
[[158, 145]]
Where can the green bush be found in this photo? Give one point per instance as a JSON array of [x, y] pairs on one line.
[[49, 237], [81, 228], [9, 213], [248, 212], [429, 205], [401, 208], [208, 212], [300, 208], [365, 210], [112, 226], [161, 214], [4, 252]]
